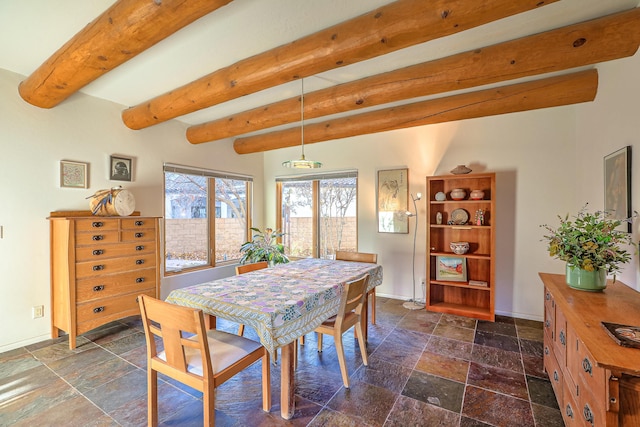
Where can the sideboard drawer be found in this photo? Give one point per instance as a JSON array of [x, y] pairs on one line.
[[582, 366], [96, 313], [560, 337], [144, 235], [97, 237], [95, 224], [569, 407], [138, 223], [98, 251]]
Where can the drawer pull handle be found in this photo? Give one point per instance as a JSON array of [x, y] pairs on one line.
[[97, 224], [547, 323], [98, 267], [139, 248], [98, 288], [588, 415], [98, 310], [586, 366], [555, 376], [563, 340], [140, 280], [139, 235], [98, 252], [139, 261], [547, 296], [569, 411], [546, 351], [139, 223], [97, 237]]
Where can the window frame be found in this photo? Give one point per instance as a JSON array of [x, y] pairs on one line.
[[211, 175], [315, 178]]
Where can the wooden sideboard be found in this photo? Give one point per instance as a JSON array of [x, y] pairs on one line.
[[595, 380], [99, 265]]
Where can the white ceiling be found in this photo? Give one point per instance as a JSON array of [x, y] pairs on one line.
[[32, 30]]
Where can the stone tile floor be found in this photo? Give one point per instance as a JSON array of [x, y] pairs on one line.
[[425, 369]]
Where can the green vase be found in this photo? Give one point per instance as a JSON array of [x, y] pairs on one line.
[[592, 281]]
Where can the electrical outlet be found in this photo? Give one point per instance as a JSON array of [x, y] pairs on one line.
[[37, 311], [423, 281]]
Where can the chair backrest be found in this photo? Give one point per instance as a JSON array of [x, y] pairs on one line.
[[183, 336], [352, 298], [356, 256], [245, 268]]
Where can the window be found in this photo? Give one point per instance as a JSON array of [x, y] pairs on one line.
[[318, 214], [206, 217]]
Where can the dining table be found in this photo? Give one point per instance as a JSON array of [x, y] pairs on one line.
[[282, 303]]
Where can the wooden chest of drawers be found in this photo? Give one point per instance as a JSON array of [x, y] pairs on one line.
[[596, 381], [99, 265]]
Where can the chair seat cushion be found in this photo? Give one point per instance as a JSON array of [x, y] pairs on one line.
[[225, 349]]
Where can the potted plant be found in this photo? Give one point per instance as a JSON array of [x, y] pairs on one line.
[[592, 246], [263, 246]]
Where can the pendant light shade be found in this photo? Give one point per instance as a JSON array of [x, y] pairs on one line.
[[302, 163]]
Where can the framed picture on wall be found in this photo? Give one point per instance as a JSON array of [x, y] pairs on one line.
[[617, 185], [392, 201], [121, 169], [73, 174], [451, 268]]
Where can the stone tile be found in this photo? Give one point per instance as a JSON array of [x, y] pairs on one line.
[[329, 418], [546, 416], [533, 334], [454, 332], [532, 348], [434, 390], [117, 393], [497, 379], [541, 392], [17, 361], [408, 412], [421, 323], [443, 366], [462, 322], [382, 374], [365, 402], [500, 341], [496, 409], [125, 343], [497, 357], [534, 324], [534, 366], [60, 350], [450, 347], [501, 328], [469, 422], [402, 348]]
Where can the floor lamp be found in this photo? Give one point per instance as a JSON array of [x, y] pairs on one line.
[[413, 304]]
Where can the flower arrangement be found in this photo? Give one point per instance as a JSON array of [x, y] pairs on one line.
[[264, 246], [591, 241]]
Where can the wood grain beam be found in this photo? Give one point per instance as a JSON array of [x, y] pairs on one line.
[[389, 28], [612, 37], [124, 30], [550, 92]]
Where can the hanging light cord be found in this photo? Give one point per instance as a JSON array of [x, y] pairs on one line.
[[302, 117]]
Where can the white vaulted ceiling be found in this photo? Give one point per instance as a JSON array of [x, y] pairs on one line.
[[32, 30]]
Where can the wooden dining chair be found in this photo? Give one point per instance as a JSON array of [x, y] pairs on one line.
[[362, 257], [200, 358], [349, 314], [246, 268]]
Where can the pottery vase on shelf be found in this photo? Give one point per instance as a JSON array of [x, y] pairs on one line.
[[460, 170], [592, 281], [458, 194], [476, 195], [459, 248]]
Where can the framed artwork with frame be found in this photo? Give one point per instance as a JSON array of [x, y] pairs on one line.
[[392, 201], [120, 168], [73, 174], [451, 268], [617, 185]]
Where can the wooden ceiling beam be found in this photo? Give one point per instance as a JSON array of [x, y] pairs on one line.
[[124, 30], [550, 92], [392, 27], [612, 37]]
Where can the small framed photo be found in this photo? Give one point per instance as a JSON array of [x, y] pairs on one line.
[[617, 185], [451, 268], [73, 174], [121, 169]]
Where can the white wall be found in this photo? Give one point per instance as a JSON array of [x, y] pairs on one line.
[[548, 162], [32, 143]]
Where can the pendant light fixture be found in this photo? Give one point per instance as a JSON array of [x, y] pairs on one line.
[[302, 163]]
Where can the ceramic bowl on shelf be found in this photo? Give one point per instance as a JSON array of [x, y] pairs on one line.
[[458, 194], [476, 195], [459, 248], [440, 196]]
